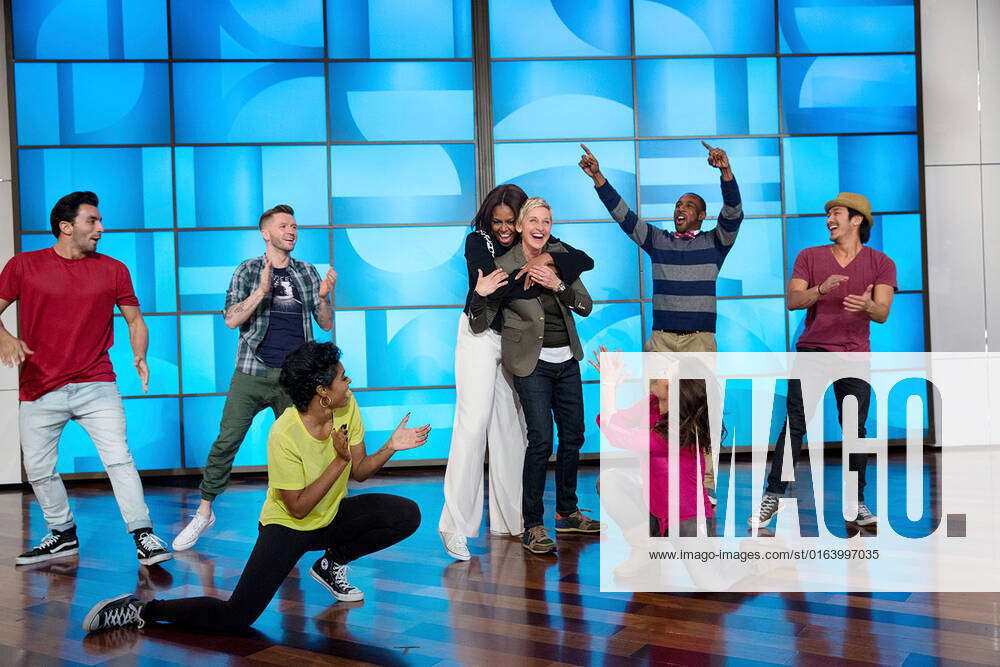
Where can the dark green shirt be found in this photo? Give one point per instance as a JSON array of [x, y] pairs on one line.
[[556, 334]]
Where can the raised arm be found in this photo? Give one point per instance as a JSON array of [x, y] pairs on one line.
[[138, 336], [630, 223], [243, 299], [731, 214]]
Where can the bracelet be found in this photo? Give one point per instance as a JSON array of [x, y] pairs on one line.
[[819, 291]]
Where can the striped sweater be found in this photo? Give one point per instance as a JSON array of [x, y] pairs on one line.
[[684, 270]]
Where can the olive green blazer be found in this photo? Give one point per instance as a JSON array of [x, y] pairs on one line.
[[524, 319]]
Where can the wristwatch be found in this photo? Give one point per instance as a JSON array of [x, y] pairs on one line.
[[561, 288]]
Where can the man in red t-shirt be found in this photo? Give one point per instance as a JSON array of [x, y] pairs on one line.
[[844, 287], [67, 295]]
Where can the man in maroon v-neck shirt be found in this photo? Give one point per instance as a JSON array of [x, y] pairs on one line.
[[844, 287]]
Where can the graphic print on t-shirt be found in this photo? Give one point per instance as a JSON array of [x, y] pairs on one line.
[[284, 330], [283, 295]]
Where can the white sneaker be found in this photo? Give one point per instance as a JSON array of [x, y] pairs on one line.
[[637, 564], [189, 536], [456, 546]]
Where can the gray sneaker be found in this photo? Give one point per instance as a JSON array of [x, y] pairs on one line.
[[865, 516], [768, 508], [537, 541], [577, 522]]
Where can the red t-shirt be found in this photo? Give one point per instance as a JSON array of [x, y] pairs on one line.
[[828, 325], [66, 315]]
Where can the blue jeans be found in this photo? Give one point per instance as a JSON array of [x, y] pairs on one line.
[[552, 390], [97, 407]]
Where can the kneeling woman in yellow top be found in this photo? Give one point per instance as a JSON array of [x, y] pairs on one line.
[[312, 450]]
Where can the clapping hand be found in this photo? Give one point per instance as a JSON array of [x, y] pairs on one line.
[[339, 438], [859, 303], [831, 283], [328, 283], [264, 287], [408, 438]]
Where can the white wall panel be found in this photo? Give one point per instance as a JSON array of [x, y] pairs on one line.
[[989, 79], [10, 450], [954, 258], [949, 59], [10, 441], [991, 230]]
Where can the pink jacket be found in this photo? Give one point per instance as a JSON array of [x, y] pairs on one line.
[[654, 455]]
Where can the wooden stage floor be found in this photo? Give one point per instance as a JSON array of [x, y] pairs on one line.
[[505, 606]]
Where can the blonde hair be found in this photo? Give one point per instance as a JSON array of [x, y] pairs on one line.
[[530, 203]]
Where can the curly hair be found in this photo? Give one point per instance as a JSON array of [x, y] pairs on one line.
[[309, 366]]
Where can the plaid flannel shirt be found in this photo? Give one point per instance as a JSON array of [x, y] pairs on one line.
[[252, 332]]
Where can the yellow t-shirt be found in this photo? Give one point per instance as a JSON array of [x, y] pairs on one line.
[[295, 459]]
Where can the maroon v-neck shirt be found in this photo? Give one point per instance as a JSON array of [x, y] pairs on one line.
[[828, 325]]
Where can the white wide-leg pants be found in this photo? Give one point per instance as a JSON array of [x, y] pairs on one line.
[[486, 408]]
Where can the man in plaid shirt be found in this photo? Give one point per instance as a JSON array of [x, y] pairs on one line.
[[271, 300]]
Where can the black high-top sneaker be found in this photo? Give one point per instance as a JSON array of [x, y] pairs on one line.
[[57, 544], [149, 548], [333, 576]]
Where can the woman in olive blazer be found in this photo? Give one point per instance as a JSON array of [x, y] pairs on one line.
[[540, 347]]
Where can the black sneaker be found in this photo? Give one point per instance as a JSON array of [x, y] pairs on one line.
[[57, 544], [149, 548], [119, 612], [865, 516], [334, 577]]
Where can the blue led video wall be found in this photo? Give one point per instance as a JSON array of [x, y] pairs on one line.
[[189, 118]]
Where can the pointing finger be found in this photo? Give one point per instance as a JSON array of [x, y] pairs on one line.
[[706, 145], [586, 150]]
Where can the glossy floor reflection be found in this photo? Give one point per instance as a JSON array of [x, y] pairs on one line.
[[504, 606]]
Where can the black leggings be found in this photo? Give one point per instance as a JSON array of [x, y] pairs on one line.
[[364, 524]]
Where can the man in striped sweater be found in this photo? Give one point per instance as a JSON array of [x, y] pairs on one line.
[[686, 263]]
